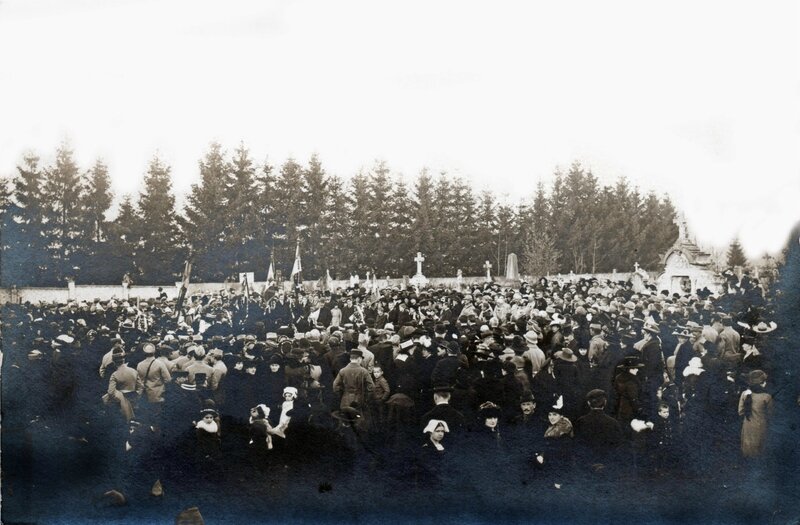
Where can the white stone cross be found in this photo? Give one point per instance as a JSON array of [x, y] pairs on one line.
[[488, 267], [636, 267], [418, 259]]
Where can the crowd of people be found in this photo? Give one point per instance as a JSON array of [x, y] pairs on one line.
[[546, 379]]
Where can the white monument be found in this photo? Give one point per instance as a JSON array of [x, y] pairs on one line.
[[687, 268], [419, 280], [488, 267], [512, 271]]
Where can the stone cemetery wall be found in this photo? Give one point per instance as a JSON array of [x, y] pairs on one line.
[[106, 292]]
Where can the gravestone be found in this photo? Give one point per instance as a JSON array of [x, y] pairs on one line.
[[488, 267], [512, 270], [637, 280], [419, 280]]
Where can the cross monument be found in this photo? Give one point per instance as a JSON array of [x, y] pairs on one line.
[[419, 280], [488, 267]]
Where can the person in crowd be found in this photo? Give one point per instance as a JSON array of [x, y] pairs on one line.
[[756, 408]]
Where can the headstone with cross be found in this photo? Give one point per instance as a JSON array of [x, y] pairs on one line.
[[638, 279], [419, 280], [488, 267]]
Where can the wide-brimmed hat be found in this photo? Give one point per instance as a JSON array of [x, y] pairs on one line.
[[682, 333], [488, 410], [347, 415], [694, 327], [565, 354], [631, 361], [653, 328], [756, 377], [764, 328], [531, 337], [694, 368]]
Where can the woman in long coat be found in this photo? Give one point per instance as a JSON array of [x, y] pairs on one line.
[[756, 406]]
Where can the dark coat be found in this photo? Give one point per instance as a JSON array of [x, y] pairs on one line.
[[455, 420], [598, 431]]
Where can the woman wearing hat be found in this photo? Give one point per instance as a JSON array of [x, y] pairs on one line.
[[558, 436], [566, 374], [629, 391], [432, 453], [488, 430], [756, 406]]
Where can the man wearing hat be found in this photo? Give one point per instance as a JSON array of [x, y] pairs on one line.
[[354, 384], [600, 433], [442, 409], [446, 368], [683, 353], [153, 376], [533, 355], [653, 360], [197, 365], [597, 344], [123, 385]]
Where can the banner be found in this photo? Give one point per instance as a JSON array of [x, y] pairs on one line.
[[298, 267]]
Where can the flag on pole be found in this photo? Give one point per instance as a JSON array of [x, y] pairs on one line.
[[298, 267], [246, 286], [271, 271], [187, 270], [376, 294]]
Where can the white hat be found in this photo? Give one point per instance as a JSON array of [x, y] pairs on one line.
[[433, 423], [290, 390]]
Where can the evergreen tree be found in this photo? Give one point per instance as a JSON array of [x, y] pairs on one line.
[[65, 218], [25, 257], [736, 256], [314, 190], [121, 248], [288, 202], [207, 218], [400, 227], [160, 255], [462, 222], [360, 243], [98, 199], [379, 187], [485, 232], [540, 255], [335, 227], [424, 235], [243, 229], [266, 210]]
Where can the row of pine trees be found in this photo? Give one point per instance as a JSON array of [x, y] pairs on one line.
[[240, 214]]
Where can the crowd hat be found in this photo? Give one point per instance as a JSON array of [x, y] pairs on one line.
[[653, 328], [433, 424], [683, 333], [347, 415], [489, 410], [694, 368], [756, 377], [631, 361], [565, 354]]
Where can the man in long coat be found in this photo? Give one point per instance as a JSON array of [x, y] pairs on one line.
[[354, 384]]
